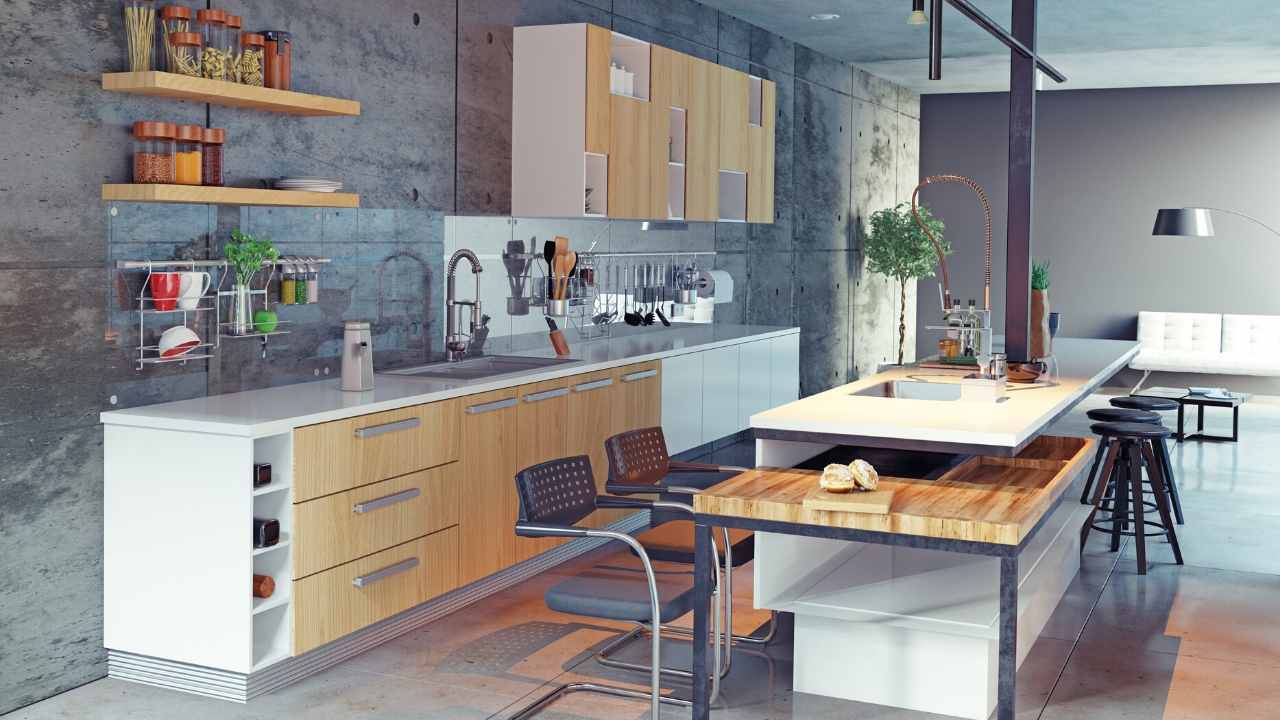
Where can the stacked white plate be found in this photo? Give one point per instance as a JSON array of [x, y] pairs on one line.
[[308, 184]]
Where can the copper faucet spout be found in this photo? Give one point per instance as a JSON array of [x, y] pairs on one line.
[[937, 246]]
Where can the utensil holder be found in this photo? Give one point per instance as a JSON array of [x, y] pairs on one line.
[[557, 308]]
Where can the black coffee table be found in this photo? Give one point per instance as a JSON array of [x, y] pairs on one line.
[[1185, 397]]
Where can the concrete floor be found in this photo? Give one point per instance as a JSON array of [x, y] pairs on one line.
[[1182, 643]]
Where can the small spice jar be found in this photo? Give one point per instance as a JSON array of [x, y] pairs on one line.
[[313, 284], [235, 25], [214, 60], [288, 285], [211, 159], [140, 35], [300, 288], [278, 60], [173, 19], [153, 152], [184, 53], [253, 48], [188, 157]]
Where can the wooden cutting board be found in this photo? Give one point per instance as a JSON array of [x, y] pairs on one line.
[[876, 502]]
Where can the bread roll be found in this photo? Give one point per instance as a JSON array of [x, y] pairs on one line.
[[864, 474], [837, 478]]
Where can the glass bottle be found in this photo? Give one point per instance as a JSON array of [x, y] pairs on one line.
[[140, 35], [153, 152], [173, 19], [288, 285], [214, 63], [187, 159]]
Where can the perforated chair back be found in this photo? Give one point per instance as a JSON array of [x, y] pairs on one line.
[[638, 457], [559, 492]]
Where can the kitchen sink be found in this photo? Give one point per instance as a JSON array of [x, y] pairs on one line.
[[480, 367], [912, 390]]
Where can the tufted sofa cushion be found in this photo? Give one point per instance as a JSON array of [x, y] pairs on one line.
[[1209, 343]]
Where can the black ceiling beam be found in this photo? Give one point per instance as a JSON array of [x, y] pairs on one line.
[[993, 28]]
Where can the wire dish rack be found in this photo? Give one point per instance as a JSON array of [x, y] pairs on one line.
[[211, 309]]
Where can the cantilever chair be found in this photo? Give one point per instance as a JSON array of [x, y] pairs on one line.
[[554, 497], [640, 465]]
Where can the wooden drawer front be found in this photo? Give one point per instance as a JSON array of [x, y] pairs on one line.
[[344, 454], [346, 598], [332, 530]]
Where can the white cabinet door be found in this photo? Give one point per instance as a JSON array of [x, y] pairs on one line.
[[755, 380], [785, 369], [682, 401], [720, 393]]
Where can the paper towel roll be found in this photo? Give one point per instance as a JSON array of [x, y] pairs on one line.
[[721, 286]]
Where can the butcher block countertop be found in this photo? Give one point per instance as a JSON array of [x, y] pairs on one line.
[[982, 499]]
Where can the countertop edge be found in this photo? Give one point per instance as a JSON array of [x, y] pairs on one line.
[[137, 418]]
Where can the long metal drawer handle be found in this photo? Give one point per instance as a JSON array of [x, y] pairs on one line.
[[379, 503], [386, 572], [376, 430], [639, 375], [546, 395], [490, 407], [594, 385]]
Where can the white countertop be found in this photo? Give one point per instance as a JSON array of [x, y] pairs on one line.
[[257, 413], [1085, 365]]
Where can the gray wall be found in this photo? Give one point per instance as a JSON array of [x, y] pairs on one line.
[[1105, 161], [434, 80]]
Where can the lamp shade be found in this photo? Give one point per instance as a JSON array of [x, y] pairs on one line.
[[1187, 222]]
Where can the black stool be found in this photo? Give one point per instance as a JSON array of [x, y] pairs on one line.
[[1151, 404], [1130, 449], [1111, 414]]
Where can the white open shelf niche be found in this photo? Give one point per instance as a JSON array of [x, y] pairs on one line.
[[633, 56], [273, 616]]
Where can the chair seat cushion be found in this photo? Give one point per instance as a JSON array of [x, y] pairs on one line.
[[622, 593], [1118, 414], [1149, 404], [695, 479], [673, 542], [1137, 431]]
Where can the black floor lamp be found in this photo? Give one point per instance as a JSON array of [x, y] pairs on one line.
[[1196, 222]]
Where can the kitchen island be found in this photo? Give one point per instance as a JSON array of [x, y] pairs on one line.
[[931, 605]]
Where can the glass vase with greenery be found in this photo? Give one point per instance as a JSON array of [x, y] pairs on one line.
[[245, 256], [897, 247], [1041, 339]]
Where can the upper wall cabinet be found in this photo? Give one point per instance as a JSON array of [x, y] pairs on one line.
[[604, 125]]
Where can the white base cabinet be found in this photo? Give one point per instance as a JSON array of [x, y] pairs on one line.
[[710, 394]]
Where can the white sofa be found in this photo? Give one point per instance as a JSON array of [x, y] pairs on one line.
[[1208, 343]]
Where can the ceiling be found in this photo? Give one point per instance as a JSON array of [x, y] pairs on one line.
[[1095, 43]]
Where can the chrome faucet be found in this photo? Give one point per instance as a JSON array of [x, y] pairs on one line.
[[457, 344]]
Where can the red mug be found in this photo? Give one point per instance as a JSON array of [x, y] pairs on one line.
[[165, 287]]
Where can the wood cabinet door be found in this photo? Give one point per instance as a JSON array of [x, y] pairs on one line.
[[735, 88], [662, 65], [591, 422], [598, 102], [543, 419], [702, 165], [630, 157], [486, 473], [639, 399], [761, 148]]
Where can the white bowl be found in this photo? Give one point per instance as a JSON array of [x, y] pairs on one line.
[[178, 340]]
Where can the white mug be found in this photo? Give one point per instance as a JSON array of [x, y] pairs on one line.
[[192, 287]]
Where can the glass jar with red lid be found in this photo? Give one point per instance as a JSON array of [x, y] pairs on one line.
[[252, 58], [213, 140], [173, 19], [215, 60], [235, 26], [153, 149], [183, 54]]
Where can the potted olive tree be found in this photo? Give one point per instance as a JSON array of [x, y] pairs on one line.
[[896, 246]]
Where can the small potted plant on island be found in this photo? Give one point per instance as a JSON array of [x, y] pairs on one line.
[[1041, 338], [899, 248], [246, 254]]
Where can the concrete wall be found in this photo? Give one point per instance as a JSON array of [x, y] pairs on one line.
[[1106, 160], [434, 139]]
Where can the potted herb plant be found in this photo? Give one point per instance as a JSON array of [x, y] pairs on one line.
[[896, 246], [1041, 339], [245, 254]]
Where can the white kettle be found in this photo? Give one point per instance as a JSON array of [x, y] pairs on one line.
[[357, 356]]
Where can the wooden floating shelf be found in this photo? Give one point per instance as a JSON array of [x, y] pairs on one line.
[[205, 195], [221, 92]]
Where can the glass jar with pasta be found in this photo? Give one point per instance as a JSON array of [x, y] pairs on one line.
[[140, 35], [215, 59], [173, 19], [184, 54], [251, 58]]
